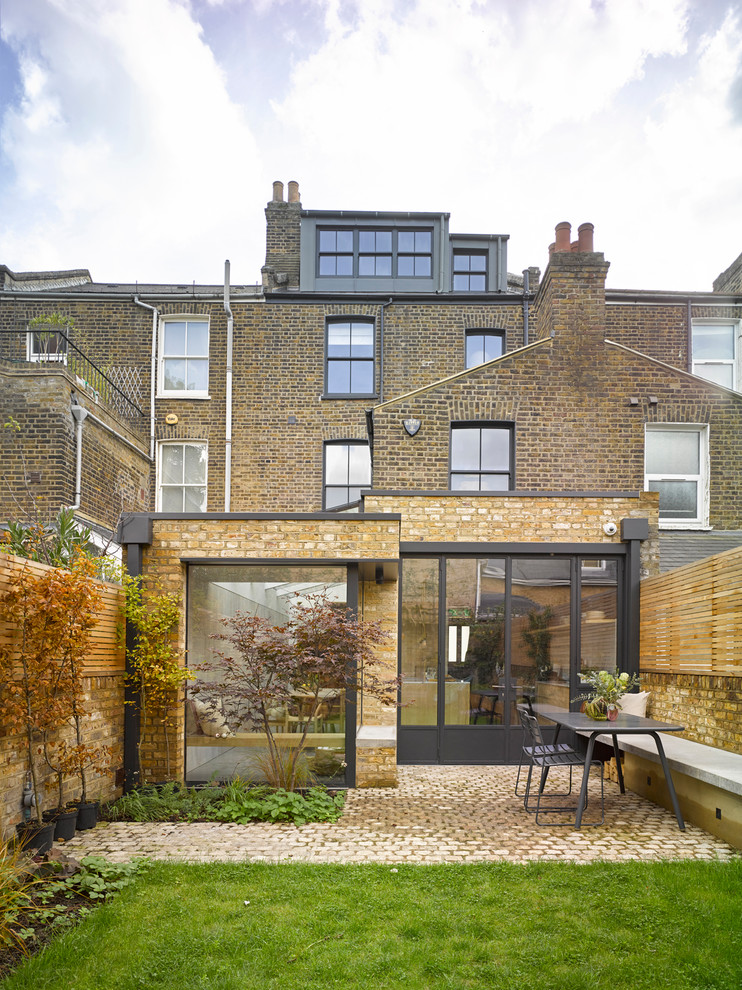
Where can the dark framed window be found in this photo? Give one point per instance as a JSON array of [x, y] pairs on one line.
[[469, 271], [375, 252], [335, 252], [481, 457], [347, 471], [350, 357], [414, 253], [483, 345]]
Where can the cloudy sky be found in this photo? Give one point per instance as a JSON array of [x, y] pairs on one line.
[[139, 138]]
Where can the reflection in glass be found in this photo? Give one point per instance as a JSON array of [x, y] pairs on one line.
[[419, 643], [598, 611]]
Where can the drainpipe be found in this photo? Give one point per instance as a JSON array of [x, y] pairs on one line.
[[228, 424], [152, 375], [526, 290], [381, 348], [689, 335], [79, 415]]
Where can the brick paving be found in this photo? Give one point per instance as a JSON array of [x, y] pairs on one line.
[[436, 815]]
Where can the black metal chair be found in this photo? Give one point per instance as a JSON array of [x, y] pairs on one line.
[[546, 749], [546, 762]]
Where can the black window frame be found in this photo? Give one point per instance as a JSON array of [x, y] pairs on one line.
[[421, 255], [474, 332], [348, 485], [481, 472], [468, 273], [350, 320]]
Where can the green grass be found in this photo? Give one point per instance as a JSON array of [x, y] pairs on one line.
[[624, 926]]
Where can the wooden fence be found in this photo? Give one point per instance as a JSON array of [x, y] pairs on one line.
[[106, 655], [691, 618]]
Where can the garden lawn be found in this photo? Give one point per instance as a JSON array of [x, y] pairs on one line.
[[543, 925]]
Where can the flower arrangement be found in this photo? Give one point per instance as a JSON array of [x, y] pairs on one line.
[[605, 692]]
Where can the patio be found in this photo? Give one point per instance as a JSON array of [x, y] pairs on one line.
[[438, 814]]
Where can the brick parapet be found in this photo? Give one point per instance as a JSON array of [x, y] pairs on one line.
[[709, 705]]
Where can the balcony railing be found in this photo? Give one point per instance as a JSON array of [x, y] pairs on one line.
[[54, 347]]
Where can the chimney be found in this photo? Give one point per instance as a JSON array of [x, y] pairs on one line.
[[563, 231], [283, 240]]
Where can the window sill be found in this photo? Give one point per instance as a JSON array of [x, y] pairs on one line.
[[697, 526], [198, 396], [350, 395]]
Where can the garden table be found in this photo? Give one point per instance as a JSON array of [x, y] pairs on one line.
[[622, 725]]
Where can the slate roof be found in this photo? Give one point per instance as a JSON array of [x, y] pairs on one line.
[[679, 548]]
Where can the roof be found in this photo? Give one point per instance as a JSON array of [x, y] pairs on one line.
[[679, 548]]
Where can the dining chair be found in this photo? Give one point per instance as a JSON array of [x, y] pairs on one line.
[[545, 749], [552, 761]]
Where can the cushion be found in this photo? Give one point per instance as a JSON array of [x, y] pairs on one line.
[[634, 704], [210, 721]]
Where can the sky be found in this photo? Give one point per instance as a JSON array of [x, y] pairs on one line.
[[140, 138]]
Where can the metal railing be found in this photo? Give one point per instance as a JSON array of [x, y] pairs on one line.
[[54, 347]]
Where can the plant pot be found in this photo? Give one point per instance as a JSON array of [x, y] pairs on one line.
[[612, 713], [65, 821], [35, 837], [87, 815]]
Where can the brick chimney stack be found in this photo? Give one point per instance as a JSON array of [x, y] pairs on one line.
[[571, 296], [283, 237]]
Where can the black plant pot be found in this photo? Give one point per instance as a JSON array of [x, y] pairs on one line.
[[87, 815], [36, 838], [65, 822]]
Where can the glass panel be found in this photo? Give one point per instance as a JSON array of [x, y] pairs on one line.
[[336, 496], [422, 241], [461, 283], [464, 482], [198, 339], [405, 241], [495, 482], [195, 464], [720, 374], [345, 240], [268, 591], [175, 338], [492, 346], [338, 340], [367, 265], [338, 377], [405, 267], [384, 240], [598, 611], [194, 498], [336, 463], [478, 263], [172, 499], [495, 449], [327, 240], [362, 377], [540, 636], [197, 376], [475, 638], [477, 283], [673, 452], [367, 241], [327, 264], [172, 464], [362, 340], [713, 342], [419, 642], [461, 262], [384, 265], [359, 464], [678, 499], [465, 449], [422, 267], [344, 264], [174, 374]]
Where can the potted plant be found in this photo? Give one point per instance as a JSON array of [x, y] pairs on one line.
[[602, 699]]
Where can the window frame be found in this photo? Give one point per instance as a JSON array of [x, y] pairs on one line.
[[204, 445], [47, 357], [326, 486], [701, 521], [477, 332], [733, 362], [483, 425], [463, 252], [184, 393], [350, 320], [357, 253]]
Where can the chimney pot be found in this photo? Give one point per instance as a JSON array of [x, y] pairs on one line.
[[278, 192], [574, 246], [585, 237], [563, 231], [293, 192]]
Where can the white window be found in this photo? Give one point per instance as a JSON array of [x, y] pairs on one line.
[[184, 357], [715, 352], [182, 472], [676, 466], [47, 345], [347, 472]]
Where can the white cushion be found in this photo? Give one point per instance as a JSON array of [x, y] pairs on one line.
[[634, 704], [211, 721]]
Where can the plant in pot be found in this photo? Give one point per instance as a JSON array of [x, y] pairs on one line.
[[37, 686], [602, 699]]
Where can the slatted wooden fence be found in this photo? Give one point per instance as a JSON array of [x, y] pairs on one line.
[[106, 654], [691, 618]]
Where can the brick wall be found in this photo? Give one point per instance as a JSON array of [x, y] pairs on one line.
[[709, 705], [731, 279], [283, 246]]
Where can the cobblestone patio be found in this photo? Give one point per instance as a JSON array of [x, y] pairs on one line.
[[436, 815]]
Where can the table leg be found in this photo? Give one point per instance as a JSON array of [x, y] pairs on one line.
[[619, 770], [668, 779], [585, 775]]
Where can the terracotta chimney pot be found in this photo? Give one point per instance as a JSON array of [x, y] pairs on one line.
[[293, 192], [574, 246], [278, 192], [563, 231], [585, 237]]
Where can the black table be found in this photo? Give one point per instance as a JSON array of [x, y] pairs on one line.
[[624, 725]]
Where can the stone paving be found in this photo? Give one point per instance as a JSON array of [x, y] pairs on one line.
[[436, 815]]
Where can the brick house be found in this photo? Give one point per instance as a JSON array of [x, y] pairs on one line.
[[488, 463]]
